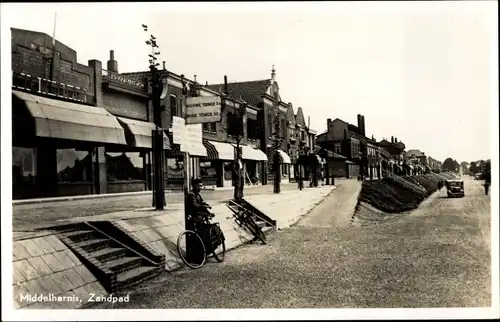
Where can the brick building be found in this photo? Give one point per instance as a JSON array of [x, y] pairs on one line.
[[76, 129]]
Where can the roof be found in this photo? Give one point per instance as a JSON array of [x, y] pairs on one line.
[[416, 152], [251, 91]]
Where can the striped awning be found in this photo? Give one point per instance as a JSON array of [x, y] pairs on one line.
[[249, 153], [219, 150], [284, 158]]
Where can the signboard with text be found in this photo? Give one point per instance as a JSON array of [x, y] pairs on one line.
[[203, 109], [193, 142], [178, 130]]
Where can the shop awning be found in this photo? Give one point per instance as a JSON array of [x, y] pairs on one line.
[[218, 150], [284, 158], [249, 153], [138, 133], [71, 121]]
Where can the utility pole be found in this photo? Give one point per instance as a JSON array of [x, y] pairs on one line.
[[157, 134], [277, 141], [186, 92]]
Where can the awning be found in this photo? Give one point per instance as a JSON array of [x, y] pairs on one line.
[[249, 153], [349, 162], [284, 158], [138, 133], [71, 121], [218, 150]]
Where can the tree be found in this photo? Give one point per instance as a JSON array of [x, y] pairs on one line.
[[450, 165], [159, 190]]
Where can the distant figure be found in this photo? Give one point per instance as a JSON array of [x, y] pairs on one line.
[[238, 177], [486, 187]]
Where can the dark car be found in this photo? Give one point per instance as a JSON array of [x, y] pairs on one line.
[[455, 188]]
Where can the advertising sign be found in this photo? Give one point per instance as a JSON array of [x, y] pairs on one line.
[[203, 109], [178, 130]]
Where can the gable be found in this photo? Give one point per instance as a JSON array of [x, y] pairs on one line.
[[299, 118], [290, 116]]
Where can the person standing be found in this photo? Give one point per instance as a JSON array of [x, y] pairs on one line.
[[238, 177]]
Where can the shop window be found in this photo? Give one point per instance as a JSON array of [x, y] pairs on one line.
[[228, 170], [123, 166], [23, 165], [73, 166]]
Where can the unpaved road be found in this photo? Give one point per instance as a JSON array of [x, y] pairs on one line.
[[435, 256]]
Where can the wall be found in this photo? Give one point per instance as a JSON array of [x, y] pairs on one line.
[[336, 130], [126, 105], [32, 54]]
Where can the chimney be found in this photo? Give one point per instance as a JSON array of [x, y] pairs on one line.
[[112, 63], [273, 74], [395, 140], [328, 121], [392, 139], [363, 125], [206, 83], [164, 68], [360, 125], [195, 78], [225, 85]]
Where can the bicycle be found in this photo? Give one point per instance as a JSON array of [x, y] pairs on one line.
[[246, 218], [201, 242]]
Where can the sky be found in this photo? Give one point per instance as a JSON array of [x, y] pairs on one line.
[[419, 71]]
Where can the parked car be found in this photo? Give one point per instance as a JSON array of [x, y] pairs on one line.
[[455, 188]]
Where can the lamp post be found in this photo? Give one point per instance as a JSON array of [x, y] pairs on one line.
[[277, 141], [157, 134]]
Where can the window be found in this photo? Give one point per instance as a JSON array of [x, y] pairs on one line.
[[270, 123], [252, 129], [73, 166], [291, 133], [174, 106], [125, 166], [210, 127], [337, 148], [23, 165]]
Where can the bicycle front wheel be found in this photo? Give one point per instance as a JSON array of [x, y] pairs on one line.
[[191, 249]]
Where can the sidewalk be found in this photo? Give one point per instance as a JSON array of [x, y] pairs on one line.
[[124, 194], [43, 264], [160, 229]]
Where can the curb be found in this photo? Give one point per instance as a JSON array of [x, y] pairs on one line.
[[114, 195]]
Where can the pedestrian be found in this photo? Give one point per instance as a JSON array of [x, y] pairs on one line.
[[486, 187]]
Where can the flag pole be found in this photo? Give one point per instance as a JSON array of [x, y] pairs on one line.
[[52, 65]]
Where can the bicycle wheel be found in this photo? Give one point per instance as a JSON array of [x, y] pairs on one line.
[[219, 251], [255, 230], [191, 249]]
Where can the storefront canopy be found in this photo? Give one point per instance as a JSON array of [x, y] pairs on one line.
[[71, 121], [219, 150], [249, 153], [284, 158], [139, 133]]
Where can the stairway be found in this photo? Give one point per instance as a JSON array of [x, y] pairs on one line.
[[119, 266]]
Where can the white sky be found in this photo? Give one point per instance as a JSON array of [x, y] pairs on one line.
[[419, 71]]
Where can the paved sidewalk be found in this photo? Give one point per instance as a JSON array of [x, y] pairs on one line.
[[26, 217]]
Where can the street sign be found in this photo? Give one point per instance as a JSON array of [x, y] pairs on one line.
[[203, 109], [178, 130], [194, 140]]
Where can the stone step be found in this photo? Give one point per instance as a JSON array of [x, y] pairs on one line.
[[93, 245], [108, 254], [136, 275], [81, 235], [122, 264]]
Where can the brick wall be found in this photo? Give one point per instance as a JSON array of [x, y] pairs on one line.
[[125, 105], [32, 54]]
